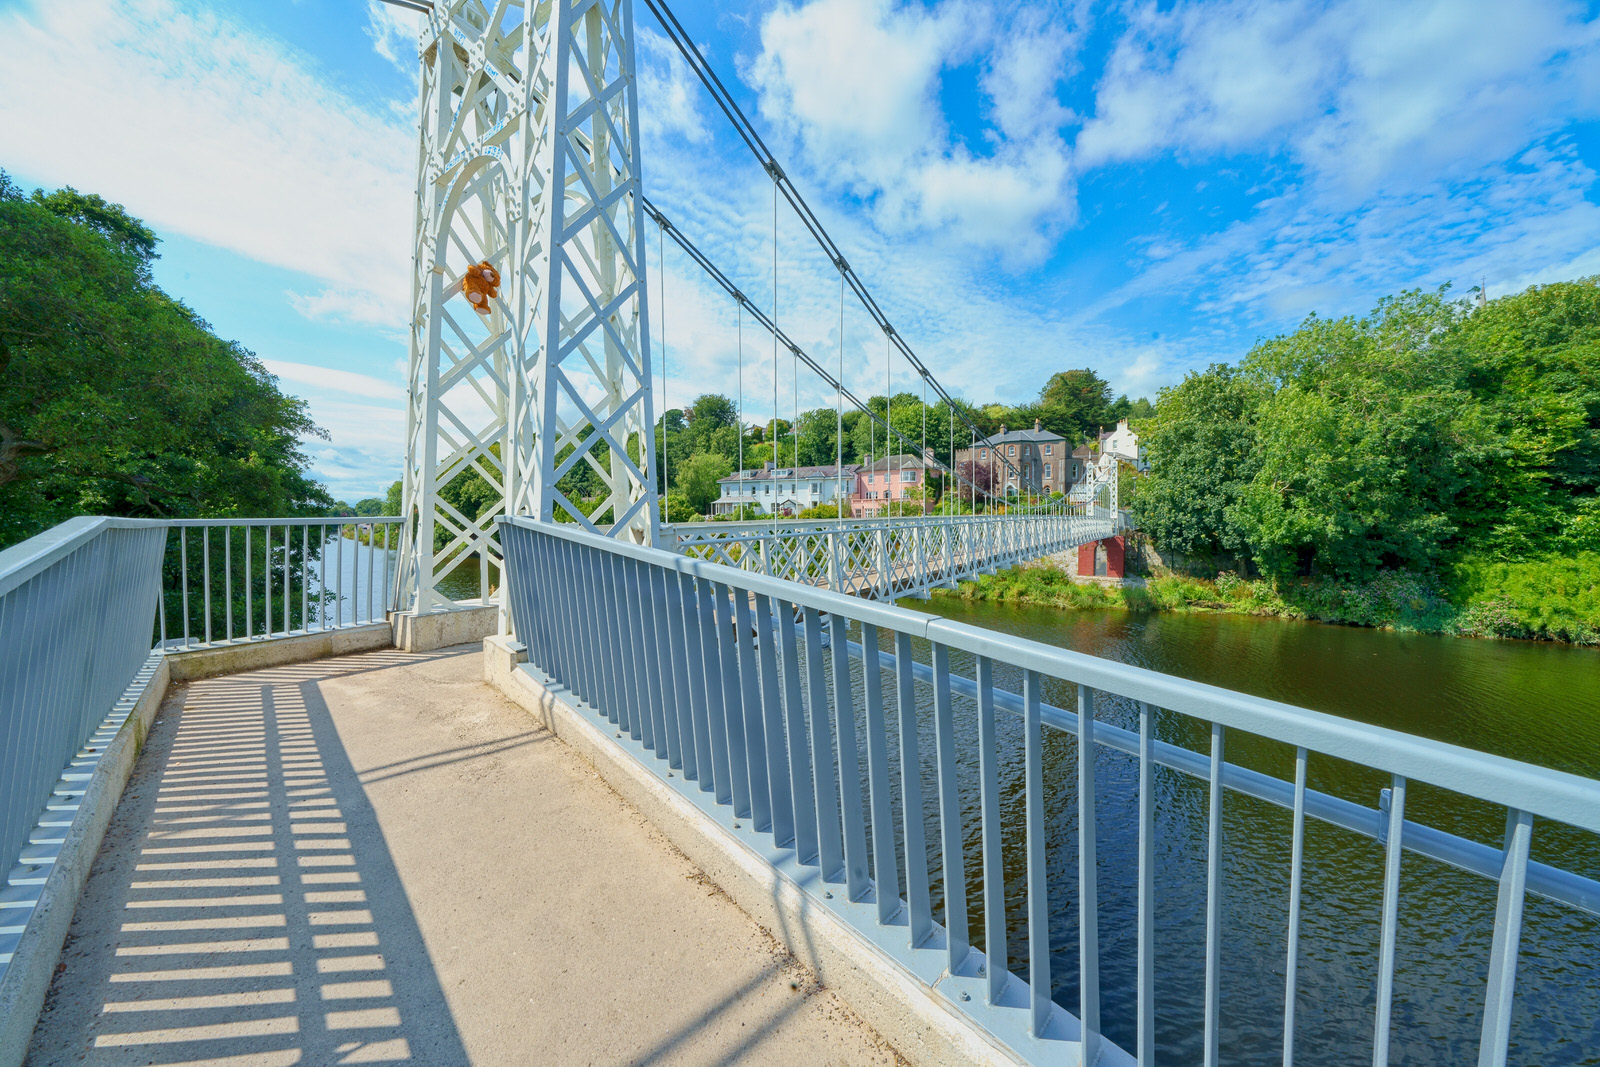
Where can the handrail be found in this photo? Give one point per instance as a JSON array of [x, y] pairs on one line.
[[22, 561], [77, 605], [1553, 794], [755, 688]]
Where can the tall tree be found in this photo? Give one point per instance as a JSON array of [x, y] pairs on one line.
[[1366, 443], [1075, 403], [1534, 367], [115, 398], [1201, 448]]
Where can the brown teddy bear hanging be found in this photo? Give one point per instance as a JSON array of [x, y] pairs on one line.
[[481, 283]]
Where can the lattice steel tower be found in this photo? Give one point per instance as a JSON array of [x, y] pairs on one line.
[[528, 161]]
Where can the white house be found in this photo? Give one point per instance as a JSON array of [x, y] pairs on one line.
[[1122, 442], [785, 490], [1119, 446]]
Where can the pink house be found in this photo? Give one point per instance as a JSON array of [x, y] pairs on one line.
[[880, 482]]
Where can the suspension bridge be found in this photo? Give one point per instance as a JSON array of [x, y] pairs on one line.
[[910, 806]]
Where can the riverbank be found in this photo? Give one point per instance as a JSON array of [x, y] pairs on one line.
[[1554, 598]]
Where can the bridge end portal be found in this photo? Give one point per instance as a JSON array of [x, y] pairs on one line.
[[532, 398]]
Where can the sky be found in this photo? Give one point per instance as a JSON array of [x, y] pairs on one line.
[[1139, 188]]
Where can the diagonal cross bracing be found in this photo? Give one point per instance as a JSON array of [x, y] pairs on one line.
[[528, 159]]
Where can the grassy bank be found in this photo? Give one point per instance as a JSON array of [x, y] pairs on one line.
[[1553, 598]]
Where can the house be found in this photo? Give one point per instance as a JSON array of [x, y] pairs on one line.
[[785, 491], [891, 479], [1123, 443], [1100, 462], [1042, 459]]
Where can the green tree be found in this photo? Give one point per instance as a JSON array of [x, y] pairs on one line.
[[678, 508], [698, 480], [116, 399], [1366, 443], [1201, 449], [1534, 369], [1075, 404]]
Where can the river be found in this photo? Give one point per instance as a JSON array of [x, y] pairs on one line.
[[1534, 702]]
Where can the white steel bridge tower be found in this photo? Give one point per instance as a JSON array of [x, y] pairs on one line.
[[528, 162]]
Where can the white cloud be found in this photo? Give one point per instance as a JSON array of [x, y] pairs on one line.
[[208, 130], [1367, 95], [342, 381], [1523, 222], [1218, 77], [1028, 62], [393, 31], [673, 92], [856, 83]]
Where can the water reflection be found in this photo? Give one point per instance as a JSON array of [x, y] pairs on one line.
[[1537, 703]]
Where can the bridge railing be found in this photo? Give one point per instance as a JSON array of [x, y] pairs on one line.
[[802, 715], [83, 605], [231, 580], [76, 608], [884, 557]]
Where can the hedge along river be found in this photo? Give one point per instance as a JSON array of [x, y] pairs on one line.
[[1533, 702]]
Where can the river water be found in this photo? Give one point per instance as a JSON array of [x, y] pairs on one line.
[[1534, 702]]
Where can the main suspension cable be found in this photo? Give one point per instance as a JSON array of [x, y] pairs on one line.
[[666, 471], [722, 280], [781, 182]]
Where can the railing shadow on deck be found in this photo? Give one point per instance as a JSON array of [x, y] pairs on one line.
[[260, 913]]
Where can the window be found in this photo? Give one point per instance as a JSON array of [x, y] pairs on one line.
[[908, 476], [1047, 449], [1013, 450], [984, 454], [1047, 470]]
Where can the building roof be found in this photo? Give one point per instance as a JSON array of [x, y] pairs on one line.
[[900, 462], [1084, 451], [1011, 436], [1035, 435], [788, 473]]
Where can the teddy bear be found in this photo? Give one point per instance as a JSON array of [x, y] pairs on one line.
[[481, 283]]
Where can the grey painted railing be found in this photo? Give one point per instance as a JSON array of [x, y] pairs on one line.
[[748, 694], [77, 605], [885, 558], [82, 605], [231, 580]]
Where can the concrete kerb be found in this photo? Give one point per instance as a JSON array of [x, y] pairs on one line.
[[26, 980], [276, 651], [464, 623], [898, 1004]]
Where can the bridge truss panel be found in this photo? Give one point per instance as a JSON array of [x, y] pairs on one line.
[[541, 407], [886, 558]]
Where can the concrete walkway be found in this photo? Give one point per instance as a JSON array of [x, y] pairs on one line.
[[378, 859]]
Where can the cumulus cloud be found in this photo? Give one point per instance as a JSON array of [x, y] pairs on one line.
[[207, 129], [857, 83], [1366, 95], [393, 32]]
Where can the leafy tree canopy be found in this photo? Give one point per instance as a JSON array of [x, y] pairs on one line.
[[1422, 435], [116, 399]]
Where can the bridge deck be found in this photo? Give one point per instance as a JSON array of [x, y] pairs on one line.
[[378, 859]]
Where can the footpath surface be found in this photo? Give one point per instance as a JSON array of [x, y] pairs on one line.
[[378, 859]]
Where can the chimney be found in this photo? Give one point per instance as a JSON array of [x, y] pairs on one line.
[[1002, 429], [1036, 426], [767, 466]]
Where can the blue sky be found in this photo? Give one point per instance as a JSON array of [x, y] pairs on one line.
[[1140, 188]]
